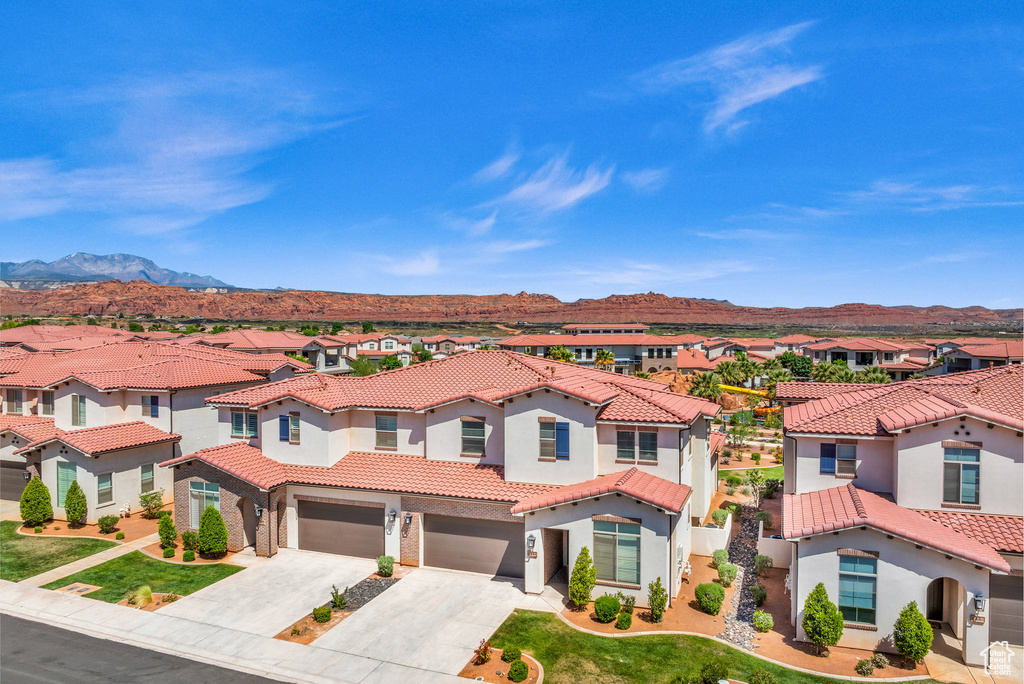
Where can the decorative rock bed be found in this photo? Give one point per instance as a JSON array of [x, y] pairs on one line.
[[307, 630], [366, 590], [738, 627]]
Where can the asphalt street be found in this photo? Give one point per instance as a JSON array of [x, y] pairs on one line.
[[34, 653]]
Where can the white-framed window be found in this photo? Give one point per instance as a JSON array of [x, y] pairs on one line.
[[631, 444], [14, 401], [838, 459], [617, 552], [387, 430], [554, 439], [858, 578], [151, 405], [288, 428], [648, 442], [625, 445], [201, 495], [961, 476], [66, 474], [47, 403], [104, 488], [146, 475], [77, 410], [245, 424], [473, 435], [389, 344]]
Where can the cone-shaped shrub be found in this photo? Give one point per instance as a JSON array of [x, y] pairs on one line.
[[35, 503], [912, 634], [822, 623], [75, 504], [213, 533], [168, 532], [582, 580]]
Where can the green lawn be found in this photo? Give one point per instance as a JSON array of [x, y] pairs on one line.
[[22, 556], [132, 570], [569, 655]]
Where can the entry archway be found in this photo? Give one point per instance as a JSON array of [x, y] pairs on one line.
[[946, 602], [248, 510]]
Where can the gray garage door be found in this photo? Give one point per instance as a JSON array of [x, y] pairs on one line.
[[1006, 606], [486, 546], [12, 480], [346, 530]]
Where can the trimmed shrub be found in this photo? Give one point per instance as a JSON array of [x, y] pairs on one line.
[[188, 556], [736, 510], [726, 574], [35, 503], [624, 621], [38, 529], [151, 503], [168, 532], [714, 671], [518, 671], [108, 523], [168, 552], [386, 566], [164, 512], [759, 675], [322, 613], [864, 667], [912, 635], [119, 535], [338, 598], [709, 597], [511, 654], [213, 533], [628, 602], [764, 517], [719, 557], [657, 599], [75, 504], [606, 607], [189, 541], [879, 661], [759, 594], [822, 623], [757, 457], [763, 622], [762, 564], [733, 480], [719, 516], [582, 580]]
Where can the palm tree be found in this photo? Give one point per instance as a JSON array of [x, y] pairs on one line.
[[875, 375], [731, 372], [561, 353], [844, 374], [771, 364], [824, 372], [604, 359], [774, 377], [705, 386]]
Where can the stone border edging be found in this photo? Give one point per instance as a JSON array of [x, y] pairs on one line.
[[67, 536], [540, 669], [913, 678]]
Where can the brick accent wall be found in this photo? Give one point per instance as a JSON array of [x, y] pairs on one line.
[[410, 541], [337, 500], [231, 491]]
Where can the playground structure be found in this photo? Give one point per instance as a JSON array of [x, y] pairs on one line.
[[760, 411]]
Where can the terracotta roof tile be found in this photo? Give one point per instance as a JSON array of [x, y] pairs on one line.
[[691, 359], [816, 390], [1011, 351], [1004, 533], [635, 483], [104, 439]]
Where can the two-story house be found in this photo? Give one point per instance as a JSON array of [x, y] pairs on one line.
[[975, 356], [632, 351], [792, 343], [899, 358], [486, 461], [334, 354], [105, 416], [911, 492], [254, 341], [446, 345]]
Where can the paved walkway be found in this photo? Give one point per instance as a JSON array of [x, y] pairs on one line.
[[89, 561], [10, 510]]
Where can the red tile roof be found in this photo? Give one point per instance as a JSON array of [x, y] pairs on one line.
[[846, 507], [371, 471], [816, 390], [30, 428], [691, 359], [104, 439], [866, 344], [246, 340], [458, 339], [795, 339], [49, 333], [609, 326], [634, 483], [1004, 533], [1011, 351], [588, 340], [488, 376], [992, 394], [716, 441]]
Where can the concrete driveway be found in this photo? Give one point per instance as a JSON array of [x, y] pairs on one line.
[[269, 596], [430, 620]]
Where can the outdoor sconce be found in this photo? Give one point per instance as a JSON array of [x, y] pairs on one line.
[[408, 518], [530, 541], [27, 475], [392, 514], [979, 602], [259, 511]]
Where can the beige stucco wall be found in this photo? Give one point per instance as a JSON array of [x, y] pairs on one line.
[[667, 466], [522, 439], [874, 465], [444, 432]]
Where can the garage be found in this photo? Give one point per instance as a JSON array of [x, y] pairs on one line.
[[1006, 606], [12, 480], [342, 529], [485, 546]]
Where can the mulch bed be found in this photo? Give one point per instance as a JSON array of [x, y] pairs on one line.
[[134, 528], [156, 551], [307, 630], [495, 670]]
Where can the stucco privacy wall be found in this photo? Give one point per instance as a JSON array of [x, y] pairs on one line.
[[387, 502], [904, 572], [874, 465], [522, 439], [577, 521]]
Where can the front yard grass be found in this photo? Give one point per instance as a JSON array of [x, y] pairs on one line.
[[569, 655], [126, 573], [22, 557]]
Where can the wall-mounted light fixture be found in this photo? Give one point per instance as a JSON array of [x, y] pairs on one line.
[[530, 542], [408, 518], [979, 602], [259, 511], [392, 514]]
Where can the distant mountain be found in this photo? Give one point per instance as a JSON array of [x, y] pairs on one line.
[[82, 267]]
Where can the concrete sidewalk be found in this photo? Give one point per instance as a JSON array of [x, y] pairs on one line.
[[90, 561]]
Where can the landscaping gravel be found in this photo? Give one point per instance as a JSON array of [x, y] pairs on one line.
[[367, 590], [738, 627]]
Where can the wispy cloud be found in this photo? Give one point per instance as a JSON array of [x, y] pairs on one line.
[[556, 185], [502, 247], [745, 72], [425, 263], [743, 234], [925, 198], [646, 180], [499, 168], [471, 226]]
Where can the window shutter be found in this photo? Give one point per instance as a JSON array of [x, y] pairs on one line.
[[66, 473], [252, 424], [237, 422], [283, 428], [561, 440]]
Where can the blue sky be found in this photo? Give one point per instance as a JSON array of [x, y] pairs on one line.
[[768, 154]]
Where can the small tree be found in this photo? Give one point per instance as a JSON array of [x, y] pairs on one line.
[[561, 353], [657, 598], [912, 635], [582, 580], [367, 327], [363, 366], [390, 362], [755, 479], [35, 503], [168, 532], [151, 503], [213, 533], [75, 504], [822, 623]]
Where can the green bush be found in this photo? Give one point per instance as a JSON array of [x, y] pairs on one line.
[[719, 516], [879, 661], [385, 566], [736, 510], [168, 552], [582, 580], [733, 480], [511, 654], [151, 503], [624, 621], [606, 607], [657, 599], [38, 529], [730, 490], [168, 532], [189, 541], [757, 457], [338, 598], [119, 535], [188, 556], [764, 517], [518, 671], [864, 667], [762, 564], [164, 512], [719, 557], [108, 523], [322, 613], [35, 503], [709, 597], [213, 533], [822, 622], [75, 504], [628, 602], [143, 595], [726, 574], [745, 492], [770, 487], [759, 675], [763, 621], [714, 671], [759, 594], [912, 635]]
